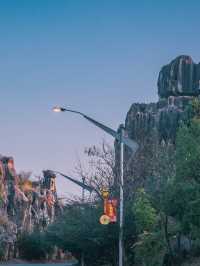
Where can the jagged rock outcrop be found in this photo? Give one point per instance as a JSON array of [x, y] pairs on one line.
[[162, 117], [178, 85], [155, 124], [179, 78], [24, 204]]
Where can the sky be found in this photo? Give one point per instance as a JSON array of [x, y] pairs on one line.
[[96, 56]]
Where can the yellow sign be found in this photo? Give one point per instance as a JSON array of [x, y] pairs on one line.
[[105, 193], [104, 219]]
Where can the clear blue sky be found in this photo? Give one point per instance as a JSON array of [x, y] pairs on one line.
[[98, 56]]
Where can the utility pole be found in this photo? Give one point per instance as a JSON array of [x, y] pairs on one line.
[[83, 190], [83, 200], [121, 182]]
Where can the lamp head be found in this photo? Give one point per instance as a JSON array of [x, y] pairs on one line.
[[58, 109]]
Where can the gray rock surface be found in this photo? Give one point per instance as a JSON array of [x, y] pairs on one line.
[[179, 78], [178, 86], [162, 118], [154, 125]]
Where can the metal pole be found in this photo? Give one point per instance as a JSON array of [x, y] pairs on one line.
[[83, 190], [121, 217], [83, 200]]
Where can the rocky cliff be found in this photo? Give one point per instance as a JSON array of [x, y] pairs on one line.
[[179, 78], [156, 124], [24, 205]]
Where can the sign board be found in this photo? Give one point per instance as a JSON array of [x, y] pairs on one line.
[[110, 209], [104, 219], [105, 193]]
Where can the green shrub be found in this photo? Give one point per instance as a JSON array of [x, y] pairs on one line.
[[150, 249], [33, 246]]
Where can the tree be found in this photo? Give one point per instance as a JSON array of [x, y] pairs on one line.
[[79, 230], [150, 246], [34, 246], [185, 194], [101, 170]]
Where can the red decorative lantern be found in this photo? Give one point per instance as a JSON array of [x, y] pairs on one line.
[[110, 209]]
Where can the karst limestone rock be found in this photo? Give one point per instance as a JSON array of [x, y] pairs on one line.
[[181, 77], [25, 204], [154, 124]]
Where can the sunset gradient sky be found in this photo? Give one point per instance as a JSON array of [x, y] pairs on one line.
[[97, 56]]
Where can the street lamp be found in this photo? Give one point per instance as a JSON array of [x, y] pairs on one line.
[[122, 140], [57, 109]]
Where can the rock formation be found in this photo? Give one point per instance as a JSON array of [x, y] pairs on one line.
[[156, 124], [179, 78], [24, 204]]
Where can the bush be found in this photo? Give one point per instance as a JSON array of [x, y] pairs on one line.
[[150, 249], [33, 246], [78, 230]]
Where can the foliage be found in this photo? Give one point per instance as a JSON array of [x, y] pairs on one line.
[[196, 107], [180, 197], [183, 197], [145, 214], [150, 246], [150, 249], [34, 246], [188, 152], [79, 231]]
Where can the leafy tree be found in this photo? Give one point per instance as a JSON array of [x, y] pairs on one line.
[[150, 246], [150, 249], [188, 152], [185, 194], [145, 214], [181, 196], [79, 230]]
